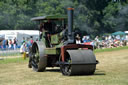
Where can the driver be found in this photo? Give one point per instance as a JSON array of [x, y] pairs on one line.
[[46, 29], [48, 26]]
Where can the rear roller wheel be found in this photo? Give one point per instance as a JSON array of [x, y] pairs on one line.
[[38, 60]]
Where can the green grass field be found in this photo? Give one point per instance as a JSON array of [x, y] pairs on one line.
[[112, 70], [12, 60], [110, 49]]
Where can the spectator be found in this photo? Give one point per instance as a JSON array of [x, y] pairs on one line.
[[14, 43], [97, 39], [97, 42], [28, 44], [31, 39], [23, 41], [78, 40], [84, 39], [10, 44], [23, 48], [4, 44]]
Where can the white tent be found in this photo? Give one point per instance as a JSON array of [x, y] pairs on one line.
[[19, 34], [29, 32]]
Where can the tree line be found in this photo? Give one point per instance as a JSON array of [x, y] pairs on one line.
[[94, 17]]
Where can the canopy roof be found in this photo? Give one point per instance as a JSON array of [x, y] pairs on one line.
[[118, 33], [49, 17]]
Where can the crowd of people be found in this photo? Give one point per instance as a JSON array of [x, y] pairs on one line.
[[111, 41], [98, 42], [8, 44], [104, 41], [12, 44]]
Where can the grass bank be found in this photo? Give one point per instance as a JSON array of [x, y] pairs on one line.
[[110, 49], [12, 60]]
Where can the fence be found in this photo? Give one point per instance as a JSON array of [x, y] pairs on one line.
[[10, 53]]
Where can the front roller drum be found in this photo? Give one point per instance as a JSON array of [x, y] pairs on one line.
[[79, 62]]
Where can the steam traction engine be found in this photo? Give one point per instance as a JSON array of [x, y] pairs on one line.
[[58, 49]]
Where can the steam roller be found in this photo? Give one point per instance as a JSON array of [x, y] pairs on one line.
[[59, 49]]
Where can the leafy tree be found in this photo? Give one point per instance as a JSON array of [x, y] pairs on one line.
[[115, 17], [92, 16]]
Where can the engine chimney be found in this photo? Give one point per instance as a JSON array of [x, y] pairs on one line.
[[70, 25]]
